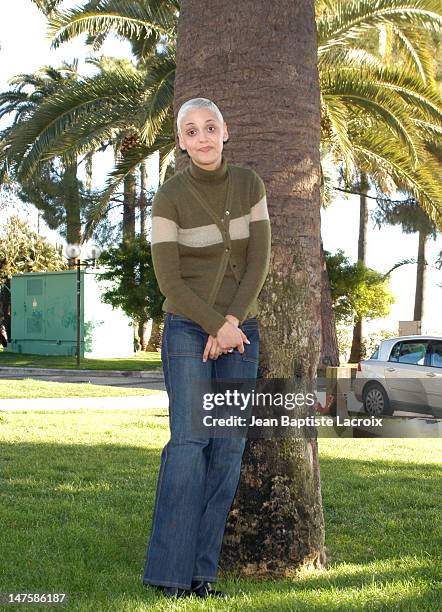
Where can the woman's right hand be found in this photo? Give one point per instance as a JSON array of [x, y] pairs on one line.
[[230, 336]]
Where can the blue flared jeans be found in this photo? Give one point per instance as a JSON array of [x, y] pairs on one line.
[[198, 477]]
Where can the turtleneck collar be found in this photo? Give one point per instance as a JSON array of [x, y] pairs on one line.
[[209, 176]]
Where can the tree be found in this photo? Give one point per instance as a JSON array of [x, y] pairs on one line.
[[22, 250], [358, 292], [135, 288], [55, 190], [280, 478], [412, 219]]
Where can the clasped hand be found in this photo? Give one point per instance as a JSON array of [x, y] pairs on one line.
[[229, 337]]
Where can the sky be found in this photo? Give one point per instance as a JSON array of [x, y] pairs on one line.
[[25, 48]]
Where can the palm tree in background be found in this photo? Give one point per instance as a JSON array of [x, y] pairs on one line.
[[125, 105], [404, 40], [55, 190], [123, 136], [412, 219]]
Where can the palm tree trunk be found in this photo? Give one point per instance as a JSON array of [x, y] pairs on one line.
[[260, 65], [129, 204], [143, 198], [72, 205], [142, 333], [89, 170], [329, 339], [363, 220], [143, 324], [420, 278], [5, 308], [356, 345]]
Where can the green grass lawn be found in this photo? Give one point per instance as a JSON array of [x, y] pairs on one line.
[[30, 388], [77, 493], [140, 361]]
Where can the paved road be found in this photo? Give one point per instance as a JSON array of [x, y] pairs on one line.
[[128, 402]]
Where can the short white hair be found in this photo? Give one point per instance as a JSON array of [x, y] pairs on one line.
[[196, 103]]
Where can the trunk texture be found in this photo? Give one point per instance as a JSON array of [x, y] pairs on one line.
[[363, 220], [129, 203], [259, 64], [356, 344], [89, 171], [5, 310], [420, 278]]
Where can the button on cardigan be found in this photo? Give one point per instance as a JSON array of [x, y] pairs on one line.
[[211, 242]]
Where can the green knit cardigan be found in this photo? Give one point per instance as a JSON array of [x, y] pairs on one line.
[[210, 263]]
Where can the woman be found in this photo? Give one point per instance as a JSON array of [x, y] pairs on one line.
[[210, 250]]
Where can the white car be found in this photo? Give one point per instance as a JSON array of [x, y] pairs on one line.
[[404, 373]]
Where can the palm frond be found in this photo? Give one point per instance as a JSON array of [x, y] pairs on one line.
[[167, 159], [160, 88], [379, 156], [346, 21], [336, 113], [127, 19], [417, 56], [374, 101], [114, 94]]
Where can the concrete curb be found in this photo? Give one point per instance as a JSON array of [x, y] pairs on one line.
[[6, 371]]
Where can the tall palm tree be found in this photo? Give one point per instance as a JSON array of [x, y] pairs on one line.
[[412, 219], [275, 129]]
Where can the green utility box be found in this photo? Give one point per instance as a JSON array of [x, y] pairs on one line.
[[44, 316]]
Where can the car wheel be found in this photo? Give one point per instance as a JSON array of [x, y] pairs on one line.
[[376, 401]]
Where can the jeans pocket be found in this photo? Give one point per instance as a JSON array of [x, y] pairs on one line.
[[251, 351], [185, 338]]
